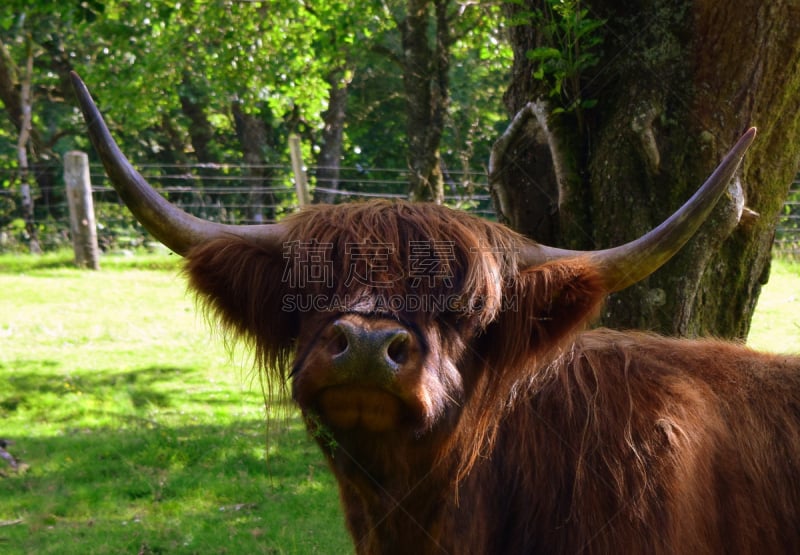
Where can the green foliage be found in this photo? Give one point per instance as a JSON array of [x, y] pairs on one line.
[[480, 65], [167, 74], [14, 235], [571, 43], [480, 72], [117, 229]]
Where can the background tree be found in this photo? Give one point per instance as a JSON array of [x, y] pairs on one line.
[[342, 27], [634, 105], [236, 77], [32, 55], [425, 63], [427, 84], [428, 32], [185, 83], [209, 83]]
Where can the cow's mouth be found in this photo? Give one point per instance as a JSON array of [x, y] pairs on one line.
[[350, 407]]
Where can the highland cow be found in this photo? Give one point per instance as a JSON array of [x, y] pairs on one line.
[[442, 364]]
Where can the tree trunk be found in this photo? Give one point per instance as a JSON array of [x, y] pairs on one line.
[[194, 102], [330, 155], [253, 136], [9, 90], [426, 83], [194, 106], [675, 85], [11, 99], [26, 108]]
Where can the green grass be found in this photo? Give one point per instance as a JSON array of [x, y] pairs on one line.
[[776, 322], [138, 432], [140, 435]]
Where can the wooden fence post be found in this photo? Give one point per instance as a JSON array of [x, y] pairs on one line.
[[81, 210], [300, 181]]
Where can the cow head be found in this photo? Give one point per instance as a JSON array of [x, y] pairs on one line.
[[393, 319]]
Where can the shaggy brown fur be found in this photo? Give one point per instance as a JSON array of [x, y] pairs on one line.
[[528, 436]]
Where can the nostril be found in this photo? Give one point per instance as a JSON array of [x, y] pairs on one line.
[[338, 343], [398, 349], [376, 348]]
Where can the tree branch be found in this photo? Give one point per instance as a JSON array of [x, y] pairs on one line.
[[393, 56], [9, 94]]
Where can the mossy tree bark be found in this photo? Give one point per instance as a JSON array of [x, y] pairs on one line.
[[676, 84]]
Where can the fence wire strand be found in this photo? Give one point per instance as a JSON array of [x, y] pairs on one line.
[[243, 194]]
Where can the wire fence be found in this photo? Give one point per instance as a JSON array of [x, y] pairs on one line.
[[787, 232], [242, 194], [226, 193], [253, 194]]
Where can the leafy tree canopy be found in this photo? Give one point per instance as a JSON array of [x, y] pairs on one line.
[[142, 60]]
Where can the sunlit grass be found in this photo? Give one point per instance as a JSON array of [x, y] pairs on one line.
[[776, 322], [138, 434], [136, 430]]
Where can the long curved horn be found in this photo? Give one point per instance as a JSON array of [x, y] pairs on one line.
[[172, 226], [629, 263]]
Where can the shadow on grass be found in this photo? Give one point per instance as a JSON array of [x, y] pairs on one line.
[[65, 259], [183, 489], [157, 460], [150, 386], [24, 380], [14, 263]]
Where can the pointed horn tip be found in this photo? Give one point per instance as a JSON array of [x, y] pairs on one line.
[[749, 135], [745, 141], [84, 97], [537, 254], [77, 82]]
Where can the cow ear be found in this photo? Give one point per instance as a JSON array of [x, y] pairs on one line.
[[544, 307], [240, 285]]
